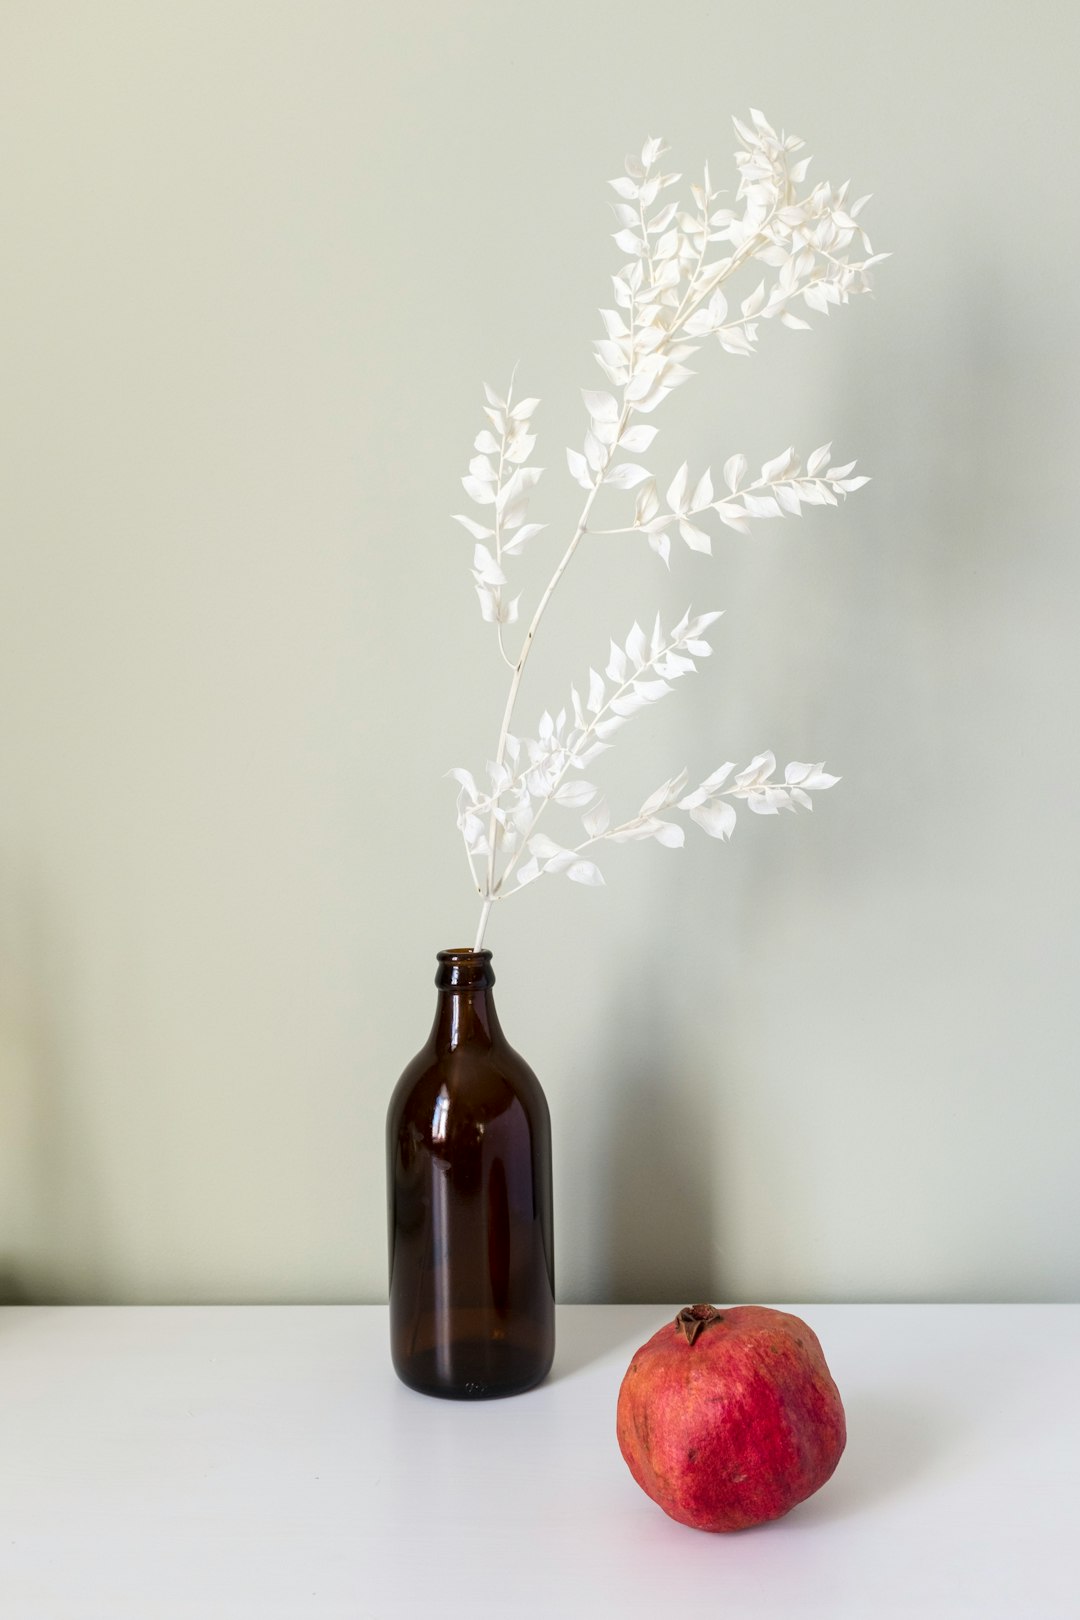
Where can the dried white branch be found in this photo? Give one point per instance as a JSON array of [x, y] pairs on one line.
[[669, 297]]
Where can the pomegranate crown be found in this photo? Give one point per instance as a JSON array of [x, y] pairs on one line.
[[692, 1318]]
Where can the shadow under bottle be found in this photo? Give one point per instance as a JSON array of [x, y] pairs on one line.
[[472, 1290]]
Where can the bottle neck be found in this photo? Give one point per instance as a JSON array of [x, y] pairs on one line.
[[465, 1011]]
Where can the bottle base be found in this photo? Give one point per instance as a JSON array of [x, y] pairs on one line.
[[470, 1371]]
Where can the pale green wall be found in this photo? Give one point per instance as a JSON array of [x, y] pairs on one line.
[[256, 259]]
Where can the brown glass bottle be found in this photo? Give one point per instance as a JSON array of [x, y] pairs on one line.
[[472, 1290]]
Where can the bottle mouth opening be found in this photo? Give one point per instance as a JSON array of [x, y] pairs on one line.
[[462, 968]]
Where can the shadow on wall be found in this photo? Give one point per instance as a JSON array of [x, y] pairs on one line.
[[914, 614], [656, 1201], [51, 1236]]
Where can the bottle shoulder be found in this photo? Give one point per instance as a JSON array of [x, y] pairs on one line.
[[472, 1078]]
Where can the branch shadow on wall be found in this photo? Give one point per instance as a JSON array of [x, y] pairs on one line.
[[51, 1252], [658, 1201]]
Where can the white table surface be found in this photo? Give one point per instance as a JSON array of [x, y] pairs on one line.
[[263, 1463]]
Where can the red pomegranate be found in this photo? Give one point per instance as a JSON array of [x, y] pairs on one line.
[[728, 1418]]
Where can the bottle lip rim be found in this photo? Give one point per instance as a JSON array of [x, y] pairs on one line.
[[463, 969]]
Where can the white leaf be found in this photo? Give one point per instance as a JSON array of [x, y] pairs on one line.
[[649, 401], [676, 495], [718, 308], [626, 475], [796, 771], [794, 323], [761, 505], [651, 691], [718, 777], [460, 774], [661, 544], [483, 494], [703, 492], [546, 848], [521, 482], [638, 438], [579, 467], [575, 795], [629, 242], [760, 803], [802, 798], [527, 532], [524, 409], [670, 834], [493, 398], [623, 188], [477, 530], [734, 472], [656, 801], [597, 820], [528, 872], [616, 666], [520, 448], [595, 700], [751, 305], [640, 385], [512, 516], [601, 407], [646, 503], [623, 707], [487, 442], [815, 297], [485, 567], [818, 780], [663, 219], [636, 645], [595, 452], [697, 324], [585, 872], [651, 150], [761, 766], [718, 820], [818, 460], [614, 324], [779, 466], [472, 829], [695, 538]]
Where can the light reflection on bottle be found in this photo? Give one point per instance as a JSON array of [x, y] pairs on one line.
[[438, 1118], [440, 1236]]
